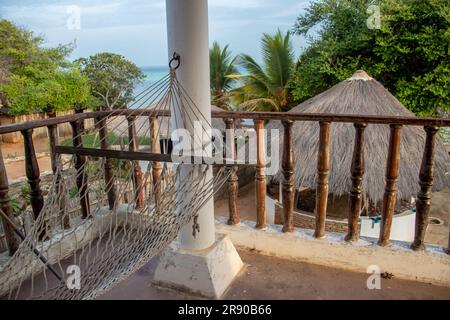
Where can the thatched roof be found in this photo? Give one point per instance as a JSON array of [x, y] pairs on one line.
[[360, 95]]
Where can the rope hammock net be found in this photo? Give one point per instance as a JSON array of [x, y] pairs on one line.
[[110, 237]]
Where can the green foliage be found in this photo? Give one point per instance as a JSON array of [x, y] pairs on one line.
[[267, 87], [112, 78], [62, 91], [34, 78], [408, 54], [73, 192], [222, 64]]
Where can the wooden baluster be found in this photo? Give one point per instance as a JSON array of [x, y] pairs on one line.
[[426, 183], [357, 173], [108, 167], [53, 140], [156, 165], [134, 146], [288, 177], [390, 193], [55, 161], [5, 206], [233, 181], [260, 175], [32, 173], [82, 179], [323, 167]]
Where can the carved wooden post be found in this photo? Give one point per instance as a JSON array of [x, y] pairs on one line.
[[260, 175], [32, 173], [323, 167], [426, 183], [55, 160], [53, 140], [156, 165], [357, 172], [108, 167], [233, 182], [80, 161], [390, 193], [5, 206], [134, 146], [288, 177]]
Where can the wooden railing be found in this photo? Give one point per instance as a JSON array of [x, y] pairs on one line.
[[431, 126]]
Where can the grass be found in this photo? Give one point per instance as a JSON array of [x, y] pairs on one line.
[[93, 140]]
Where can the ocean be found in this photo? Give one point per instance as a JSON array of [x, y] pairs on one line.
[[152, 75]]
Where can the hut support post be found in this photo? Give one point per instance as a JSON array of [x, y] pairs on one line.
[[426, 183], [156, 165], [5, 205], [260, 175], [137, 172], [288, 177], [390, 193], [80, 161], [233, 181], [357, 173], [323, 167], [108, 167]]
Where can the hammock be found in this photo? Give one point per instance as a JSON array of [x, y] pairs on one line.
[[109, 238]]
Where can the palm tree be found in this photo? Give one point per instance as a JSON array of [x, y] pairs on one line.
[[267, 87], [221, 65]]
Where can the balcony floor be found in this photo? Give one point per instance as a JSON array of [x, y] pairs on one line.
[[274, 278]]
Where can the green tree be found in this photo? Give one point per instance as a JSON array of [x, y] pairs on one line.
[[222, 65], [408, 53], [34, 78], [62, 91], [112, 78], [267, 87]]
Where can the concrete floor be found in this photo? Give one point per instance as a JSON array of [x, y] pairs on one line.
[[293, 280]]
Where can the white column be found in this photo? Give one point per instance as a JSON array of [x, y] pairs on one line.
[[187, 32]]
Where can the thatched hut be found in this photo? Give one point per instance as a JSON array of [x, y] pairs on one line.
[[361, 95]]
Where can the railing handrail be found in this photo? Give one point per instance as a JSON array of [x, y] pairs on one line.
[[254, 115]]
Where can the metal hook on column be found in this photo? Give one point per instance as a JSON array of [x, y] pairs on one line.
[[175, 59]]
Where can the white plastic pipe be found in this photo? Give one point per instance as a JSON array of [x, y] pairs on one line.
[[187, 33]]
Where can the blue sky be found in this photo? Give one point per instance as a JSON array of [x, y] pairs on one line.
[[137, 30]]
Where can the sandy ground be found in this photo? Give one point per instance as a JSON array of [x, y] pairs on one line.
[[436, 234]]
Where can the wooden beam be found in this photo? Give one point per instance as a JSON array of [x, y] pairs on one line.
[[347, 118]]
